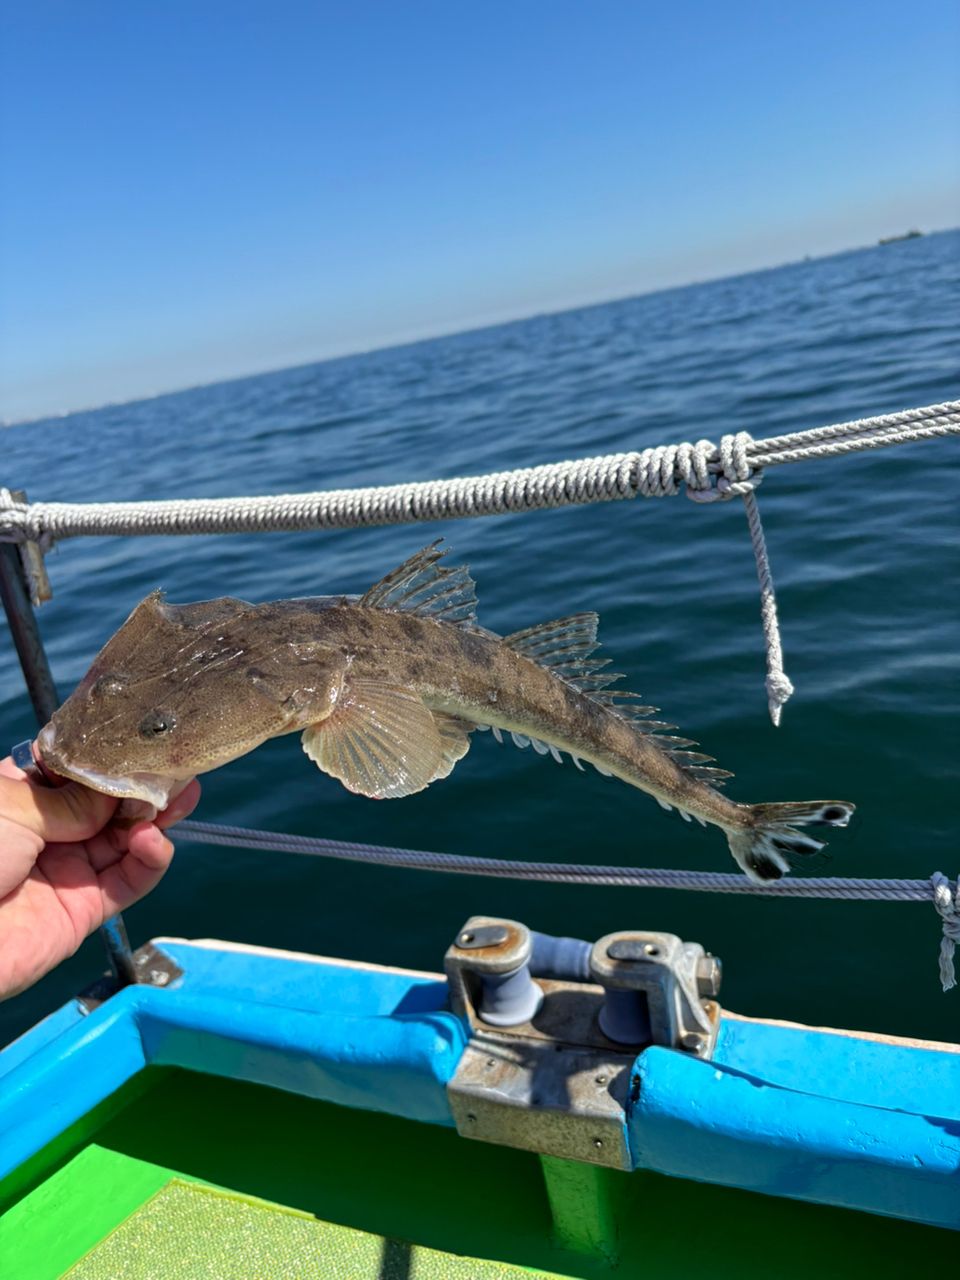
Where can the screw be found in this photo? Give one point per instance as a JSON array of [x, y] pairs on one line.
[[465, 938], [159, 978], [690, 1040], [601, 1079], [598, 1143], [471, 1117]]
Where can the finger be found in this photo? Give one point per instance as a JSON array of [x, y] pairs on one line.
[[149, 845], [110, 844], [138, 872], [107, 846], [180, 806], [72, 812], [113, 842], [19, 850], [9, 770]]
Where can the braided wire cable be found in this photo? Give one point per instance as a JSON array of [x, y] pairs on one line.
[[936, 890], [555, 872]]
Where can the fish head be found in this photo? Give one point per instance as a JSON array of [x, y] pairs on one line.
[[179, 690]]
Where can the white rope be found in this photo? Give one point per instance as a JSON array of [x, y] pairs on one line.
[[658, 472], [778, 684], [946, 898], [739, 478], [707, 472], [947, 902]]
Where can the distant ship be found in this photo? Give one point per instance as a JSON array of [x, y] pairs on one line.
[[907, 235]]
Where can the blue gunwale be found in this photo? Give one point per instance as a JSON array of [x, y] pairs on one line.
[[831, 1117]]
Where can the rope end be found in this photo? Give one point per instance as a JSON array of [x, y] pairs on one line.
[[946, 899], [779, 689]]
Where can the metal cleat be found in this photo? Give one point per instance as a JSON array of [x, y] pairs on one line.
[[655, 984], [550, 1059]]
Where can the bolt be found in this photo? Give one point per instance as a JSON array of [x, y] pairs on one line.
[[690, 1040], [465, 938], [159, 978], [471, 1117], [598, 1143], [709, 974], [601, 1079]]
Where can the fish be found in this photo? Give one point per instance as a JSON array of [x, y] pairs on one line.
[[387, 689]]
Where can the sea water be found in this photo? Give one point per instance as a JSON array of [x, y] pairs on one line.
[[866, 558]]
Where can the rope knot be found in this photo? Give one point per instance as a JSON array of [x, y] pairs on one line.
[[779, 688], [947, 902], [11, 519], [17, 525], [735, 476]]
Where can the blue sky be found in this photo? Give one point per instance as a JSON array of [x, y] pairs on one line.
[[195, 190]]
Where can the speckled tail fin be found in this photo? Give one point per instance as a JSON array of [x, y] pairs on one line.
[[765, 850]]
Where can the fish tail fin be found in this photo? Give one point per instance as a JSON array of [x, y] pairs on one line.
[[766, 848]]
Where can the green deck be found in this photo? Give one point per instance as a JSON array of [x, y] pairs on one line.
[[411, 1188], [187, 1229]]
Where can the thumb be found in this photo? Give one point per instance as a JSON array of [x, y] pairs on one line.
[[71, 812]]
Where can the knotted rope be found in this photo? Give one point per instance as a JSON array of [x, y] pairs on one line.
[[947, 903], [653, 473], [738, 478]]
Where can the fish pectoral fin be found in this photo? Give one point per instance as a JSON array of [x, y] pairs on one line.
[[381, 741], [454, 741]]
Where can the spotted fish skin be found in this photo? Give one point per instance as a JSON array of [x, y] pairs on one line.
[[386, 690]]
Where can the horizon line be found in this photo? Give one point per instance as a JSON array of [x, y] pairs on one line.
[[433, 336]]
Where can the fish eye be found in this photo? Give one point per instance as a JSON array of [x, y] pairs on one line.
[[109, 683], [156, 723]]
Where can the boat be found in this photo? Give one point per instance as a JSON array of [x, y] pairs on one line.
[[913, 234], [241, 1112]]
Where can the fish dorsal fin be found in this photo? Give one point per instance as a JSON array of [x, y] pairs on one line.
[[381, 741], [565, 646], [423, 586]]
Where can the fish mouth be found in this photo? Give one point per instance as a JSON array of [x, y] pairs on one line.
[[154, 788], [151, 787]]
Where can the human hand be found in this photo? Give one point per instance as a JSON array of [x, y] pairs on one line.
[[65, 868]]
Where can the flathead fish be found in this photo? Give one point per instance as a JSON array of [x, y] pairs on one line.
[[386, 689]]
